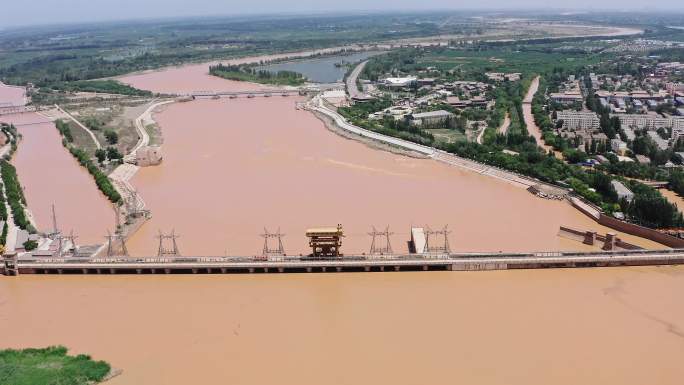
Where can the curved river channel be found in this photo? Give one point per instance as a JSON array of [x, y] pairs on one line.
[[232, 167]]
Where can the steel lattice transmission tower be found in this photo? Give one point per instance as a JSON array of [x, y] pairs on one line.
[[72, 239], [278, 251], [434, 247], [55, 229], [111, 239], [165, 251], [380, 250]]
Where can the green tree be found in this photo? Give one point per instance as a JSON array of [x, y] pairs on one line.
[[111, 136], [30, 245], [101, 155], [113, 153]]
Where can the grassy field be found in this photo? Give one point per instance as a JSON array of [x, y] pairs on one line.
[[49, 366], [505, 59], [445, 135]]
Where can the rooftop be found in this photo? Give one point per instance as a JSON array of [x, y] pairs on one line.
[[432, 114]]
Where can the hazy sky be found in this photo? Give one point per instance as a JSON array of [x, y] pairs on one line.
[[25, 12]]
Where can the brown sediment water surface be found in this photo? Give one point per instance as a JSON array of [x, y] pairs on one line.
[[567, 326], [50, 175], [12, 95], [233, 166], [188, 78]]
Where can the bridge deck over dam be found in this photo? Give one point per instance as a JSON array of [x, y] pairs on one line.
[[359, 263], [234, 94]]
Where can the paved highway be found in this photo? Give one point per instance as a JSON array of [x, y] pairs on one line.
[[352, 89]]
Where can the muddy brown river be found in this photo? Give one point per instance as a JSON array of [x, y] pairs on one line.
[[594, 326], [232, 167], [50, 175]]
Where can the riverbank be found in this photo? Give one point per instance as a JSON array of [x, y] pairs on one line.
[[375, 144], [51, 365]]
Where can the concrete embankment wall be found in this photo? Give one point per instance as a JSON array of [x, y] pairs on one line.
[[631, 228]]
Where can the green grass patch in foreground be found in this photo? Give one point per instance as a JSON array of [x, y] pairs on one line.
[[49, 366]]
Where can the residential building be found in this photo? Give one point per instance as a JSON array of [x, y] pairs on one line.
[[578, 120], [432, 117], [677, 132], [426, 81], [400, 82], [457, 102], [643, 159], [567, 98], [622, 191], [644, 121], [658, 140], [629, 133], [674, 87], [618, 146]]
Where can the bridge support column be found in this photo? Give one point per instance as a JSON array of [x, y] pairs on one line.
[[99, 271], [167, 271], [425, 267], [281, 270], [112, 271], [324, 269], [308, 270], [382, 268], [59, 271], [138, 271], [265, 269], [223, 270], [84, 271], [589, 238], [154, 271], [366, 268], [339, 269], [194, 271], [397, 268], [251, 270], [610, 242]]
